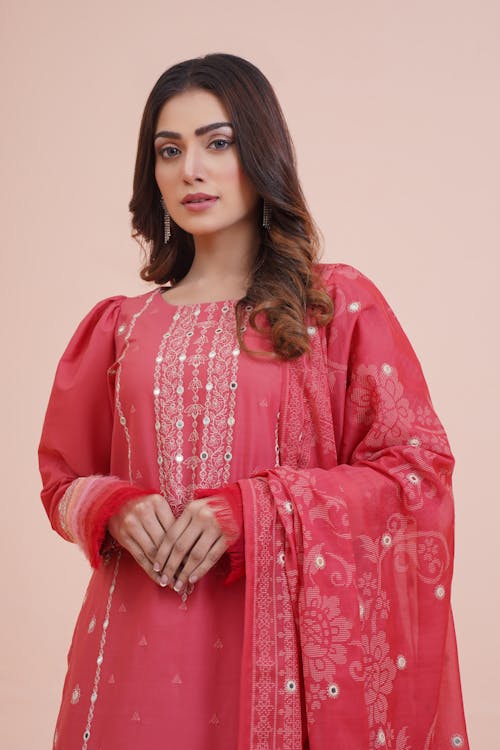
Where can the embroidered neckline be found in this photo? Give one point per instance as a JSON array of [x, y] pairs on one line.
[[182, 305]]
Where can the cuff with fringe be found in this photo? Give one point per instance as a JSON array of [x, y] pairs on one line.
[[87, 506]]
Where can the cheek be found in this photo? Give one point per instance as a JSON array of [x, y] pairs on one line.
[[230, 169], [159, 173], [238, 180], [232, 172], [164, 174]]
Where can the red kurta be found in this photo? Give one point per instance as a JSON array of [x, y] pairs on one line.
[[340, 634]]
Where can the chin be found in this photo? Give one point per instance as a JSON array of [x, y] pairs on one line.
[[211, 230]]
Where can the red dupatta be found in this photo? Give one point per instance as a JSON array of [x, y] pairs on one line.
[[349, 639]]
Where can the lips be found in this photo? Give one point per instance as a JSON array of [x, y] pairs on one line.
[[198, 198]]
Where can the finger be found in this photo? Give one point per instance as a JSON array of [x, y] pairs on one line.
[[144, 528], [196, 556], [155, 530], [136, 517], [194, 570], [180, 551], [146, 542], [155, 516], [164, 550], [164, 515], [195, 543], [196, 519]]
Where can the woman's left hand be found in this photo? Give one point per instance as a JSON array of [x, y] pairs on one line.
[[191, 546]]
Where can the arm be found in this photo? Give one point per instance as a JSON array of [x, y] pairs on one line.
[[79, 494]]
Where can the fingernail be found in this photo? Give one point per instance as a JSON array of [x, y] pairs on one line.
[[178, 586], [164, 581], [156, 567], [193, 579]]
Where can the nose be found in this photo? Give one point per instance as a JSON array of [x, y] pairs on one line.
[[193, 168]]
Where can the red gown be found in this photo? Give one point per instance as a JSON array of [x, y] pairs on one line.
[[334, 626]]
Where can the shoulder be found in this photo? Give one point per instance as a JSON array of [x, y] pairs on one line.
[[98, 326], [106, 312], [363, 320], [349, 287]]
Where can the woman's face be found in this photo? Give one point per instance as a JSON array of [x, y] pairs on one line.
[[207, 161]]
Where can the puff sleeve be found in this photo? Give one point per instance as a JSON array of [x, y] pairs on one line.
[[78, 493]]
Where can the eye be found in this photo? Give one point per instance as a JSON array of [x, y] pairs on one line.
[[222, 141], [166, 151]]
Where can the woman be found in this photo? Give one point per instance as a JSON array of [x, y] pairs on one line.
[[249, 457]]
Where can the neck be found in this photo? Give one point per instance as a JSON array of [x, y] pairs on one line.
[[224, 258]]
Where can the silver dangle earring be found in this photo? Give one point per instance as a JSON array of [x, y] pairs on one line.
[[266, 215], [166, 221]]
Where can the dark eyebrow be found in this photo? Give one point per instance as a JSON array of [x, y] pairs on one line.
[[199, 131]]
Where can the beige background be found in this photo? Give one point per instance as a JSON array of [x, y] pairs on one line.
[[394, 110]]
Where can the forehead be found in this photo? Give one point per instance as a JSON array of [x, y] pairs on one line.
[[187, 111]]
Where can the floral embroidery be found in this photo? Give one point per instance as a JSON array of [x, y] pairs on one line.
[[428, 550], [326, 632], [367, 584], [383, 605], [386, 739], [377, 671], [379, 398]]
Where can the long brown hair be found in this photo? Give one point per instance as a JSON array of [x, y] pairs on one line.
[[284, 284]]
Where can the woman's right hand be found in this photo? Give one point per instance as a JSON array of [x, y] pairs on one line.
[[140, 527]]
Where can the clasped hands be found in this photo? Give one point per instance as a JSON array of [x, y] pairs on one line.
[[171, 551]]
